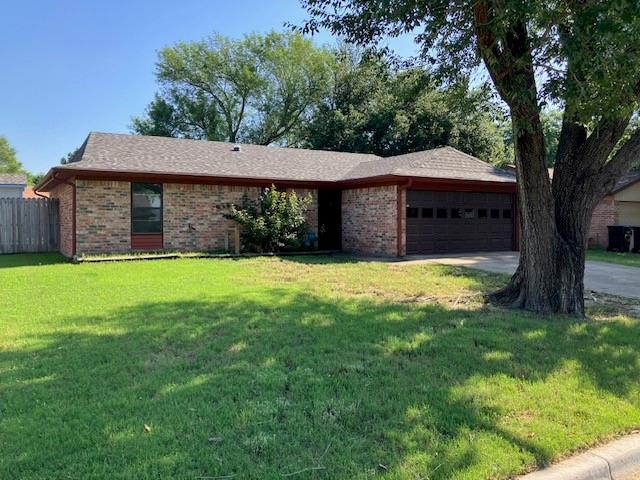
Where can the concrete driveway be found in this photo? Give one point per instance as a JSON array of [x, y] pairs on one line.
[[599, 276]]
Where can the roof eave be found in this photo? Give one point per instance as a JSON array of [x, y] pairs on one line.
[[58, 174], [625, 186], [94, 174]]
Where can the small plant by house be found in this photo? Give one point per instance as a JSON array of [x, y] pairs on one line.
[[276, 222]]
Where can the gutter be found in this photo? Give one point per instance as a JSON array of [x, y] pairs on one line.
[[374, 180], [35, 191]]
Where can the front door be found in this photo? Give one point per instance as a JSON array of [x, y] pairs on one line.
[[329, 219]]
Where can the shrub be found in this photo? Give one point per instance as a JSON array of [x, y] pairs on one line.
[[276, 222]]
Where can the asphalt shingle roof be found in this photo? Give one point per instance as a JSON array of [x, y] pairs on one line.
[[627, 180], [143, 154], [13, 179], [443, 162]]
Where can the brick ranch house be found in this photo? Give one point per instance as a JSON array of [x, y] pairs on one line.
[[124, 192]]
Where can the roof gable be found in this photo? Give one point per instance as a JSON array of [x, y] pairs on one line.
[[631, 178], [443, 162]]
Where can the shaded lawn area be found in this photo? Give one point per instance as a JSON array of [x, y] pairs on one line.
[[295, 368], [601, 255]]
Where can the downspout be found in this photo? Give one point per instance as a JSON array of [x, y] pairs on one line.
[[35, 191], [73, 217]]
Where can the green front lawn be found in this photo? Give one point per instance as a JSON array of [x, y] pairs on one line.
[[601, 255], [295, 368]]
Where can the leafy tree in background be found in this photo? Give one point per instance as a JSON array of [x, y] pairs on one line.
[[8, 160], [35, 178], [176, 115], [258, 89], [69, 157], [9, 163], [551, 120], [587, 55], [373, 109]]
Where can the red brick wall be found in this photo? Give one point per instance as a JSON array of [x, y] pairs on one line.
[[369, 220], [103, 216], [194, 215], [604, 214], [64, 194]]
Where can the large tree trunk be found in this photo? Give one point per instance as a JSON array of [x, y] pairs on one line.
[[555, 220], [554, 232]]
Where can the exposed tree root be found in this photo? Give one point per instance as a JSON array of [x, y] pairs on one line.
[[512, 295]]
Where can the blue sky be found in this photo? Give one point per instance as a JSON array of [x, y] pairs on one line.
[[70, 67]]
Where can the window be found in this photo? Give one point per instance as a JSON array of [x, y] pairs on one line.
[[495, 213], [506, 213], [412, 212], [146, 208], [456, 213], [482, 213], [469, 213], [427, 213], [441, 213]]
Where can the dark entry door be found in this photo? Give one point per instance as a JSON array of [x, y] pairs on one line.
[[329, 219], [440, 222]]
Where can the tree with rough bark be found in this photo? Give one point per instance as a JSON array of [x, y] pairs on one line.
[[580, 56], [257, 89]]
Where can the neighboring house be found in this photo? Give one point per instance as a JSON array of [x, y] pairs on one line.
[[620, 207], [126, 192], [12, 185]]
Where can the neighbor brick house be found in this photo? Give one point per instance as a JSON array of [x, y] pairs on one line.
[[621, 206], [124, 192]]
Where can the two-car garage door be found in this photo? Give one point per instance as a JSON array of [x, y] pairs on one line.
[[439, 222]]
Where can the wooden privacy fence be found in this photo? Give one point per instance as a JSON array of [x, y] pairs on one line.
[[29, 225]]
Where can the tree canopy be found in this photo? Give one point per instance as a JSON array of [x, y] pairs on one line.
[[374, 108], [279, 88], [598, 39], [8, 160], [257, 89]]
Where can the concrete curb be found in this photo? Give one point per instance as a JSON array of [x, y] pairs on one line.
[[618, 460]]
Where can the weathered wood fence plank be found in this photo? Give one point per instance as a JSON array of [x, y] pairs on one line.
[[29, 225]]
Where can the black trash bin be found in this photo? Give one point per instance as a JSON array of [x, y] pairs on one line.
[[619, 238], [636, 240]]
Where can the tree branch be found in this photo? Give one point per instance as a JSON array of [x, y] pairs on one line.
[[621, 162]]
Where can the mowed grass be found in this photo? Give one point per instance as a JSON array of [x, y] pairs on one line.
[[308, 368], [627, 258]]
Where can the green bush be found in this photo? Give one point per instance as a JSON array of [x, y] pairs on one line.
[[275, 222]]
